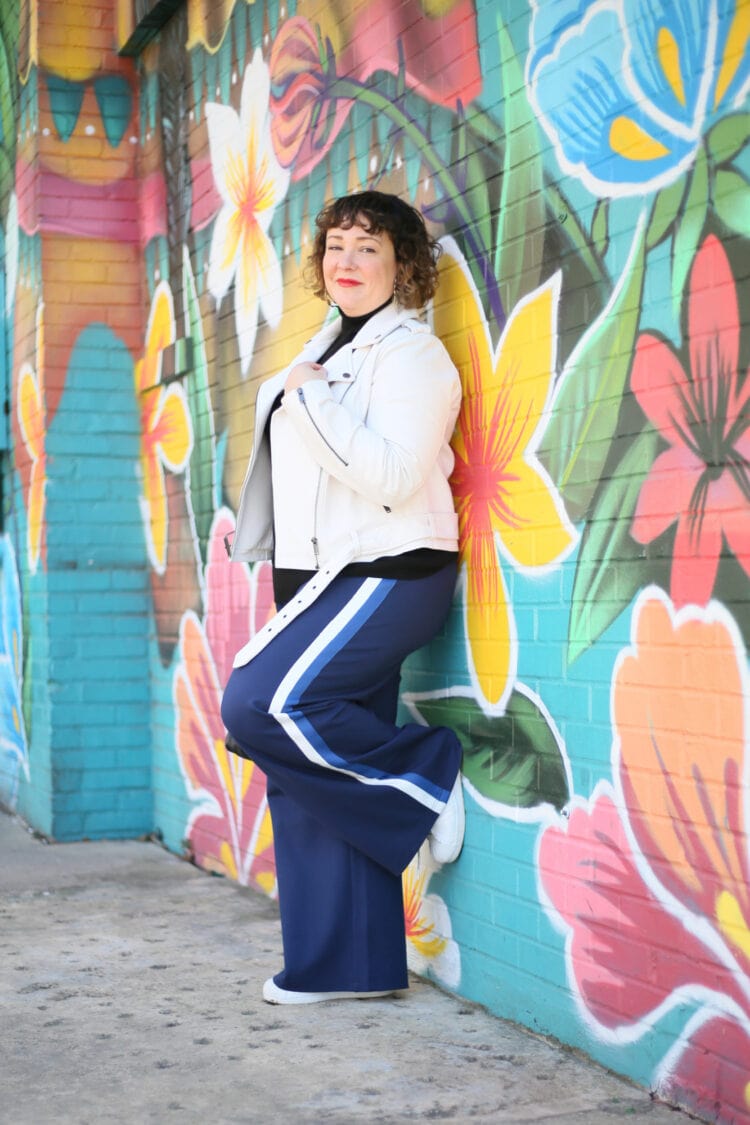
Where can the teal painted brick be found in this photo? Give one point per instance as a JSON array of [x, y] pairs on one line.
[[119, 780], [119, 447], [522, 917], [74, 600], [116, 824], [129, 579], [83, 802], [73, 755], [134, 800], [67, 826]]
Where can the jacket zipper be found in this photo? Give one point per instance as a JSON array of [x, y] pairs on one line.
[[314, 540], [301, 396]]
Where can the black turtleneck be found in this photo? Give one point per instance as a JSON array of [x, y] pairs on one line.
[[416, 563], [350, 326]]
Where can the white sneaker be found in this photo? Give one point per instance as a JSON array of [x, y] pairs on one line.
[[273, 994], [447, 835]]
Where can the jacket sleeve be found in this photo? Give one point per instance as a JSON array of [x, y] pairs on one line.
[[414, 402]]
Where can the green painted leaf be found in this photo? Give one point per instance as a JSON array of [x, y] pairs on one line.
[[514, 759], [600, 227], [584, 419], [7, 121], [732, 201], [520, 232], [361, 132], [6, 180], [478, 199], [728, 137], [316, 192], [202, 457], [689, 229], [611, 566], [255, 17], [338, 162], [667, 206], [440, 132]]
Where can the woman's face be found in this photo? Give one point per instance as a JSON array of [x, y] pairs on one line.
[[359, 268]]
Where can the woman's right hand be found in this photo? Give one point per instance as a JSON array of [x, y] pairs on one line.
[[303, 373]]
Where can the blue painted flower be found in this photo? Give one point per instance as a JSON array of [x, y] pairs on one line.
[[625, 89], [13, 749]]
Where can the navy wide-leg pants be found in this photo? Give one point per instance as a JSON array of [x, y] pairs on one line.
[[352, 795]]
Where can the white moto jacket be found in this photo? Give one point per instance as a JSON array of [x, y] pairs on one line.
[[365, 457]]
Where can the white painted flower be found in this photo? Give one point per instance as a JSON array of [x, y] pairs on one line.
[[251, 183], [430, 948]]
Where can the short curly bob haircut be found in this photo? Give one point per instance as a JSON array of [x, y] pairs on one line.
[[376, 211]]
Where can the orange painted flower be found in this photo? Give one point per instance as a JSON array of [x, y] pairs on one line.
[[430, 947], [650, 880], [229, 828], [32, 421], [166, 430], [504, 497]]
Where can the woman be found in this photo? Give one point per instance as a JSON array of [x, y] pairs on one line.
[[347, 490]]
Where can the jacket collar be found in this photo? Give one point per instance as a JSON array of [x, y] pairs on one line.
[[373, 330]]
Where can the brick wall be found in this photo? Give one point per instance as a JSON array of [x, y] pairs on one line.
[[586, 169]]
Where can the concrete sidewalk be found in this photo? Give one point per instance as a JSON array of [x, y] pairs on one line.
[[130, 985]]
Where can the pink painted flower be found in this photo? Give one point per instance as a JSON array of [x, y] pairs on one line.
[[651, 881], [318, 72], [229, 829], [305, 121], [702, 480], [31, 408]]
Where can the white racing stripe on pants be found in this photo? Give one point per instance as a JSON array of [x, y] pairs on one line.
[[280, 701]]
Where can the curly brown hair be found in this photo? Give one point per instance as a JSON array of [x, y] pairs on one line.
[[416, 252]]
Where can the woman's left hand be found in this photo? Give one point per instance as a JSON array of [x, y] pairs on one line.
[[303, 373]]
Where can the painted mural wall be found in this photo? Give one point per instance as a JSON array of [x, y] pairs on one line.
[[586, 166]]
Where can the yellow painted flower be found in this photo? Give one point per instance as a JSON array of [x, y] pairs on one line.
[[166, 430], [504, 497], [251, 183], [429, 943], [32, 412]]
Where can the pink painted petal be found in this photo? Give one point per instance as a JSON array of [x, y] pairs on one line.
[[228, 594], [589, 874], [661, 386], [735, 509], [666, 492], [263, 606], [714, 326], [204, 681], [695, 560], [194, 746], [712, 1075]]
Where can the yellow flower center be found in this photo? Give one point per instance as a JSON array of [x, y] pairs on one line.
[[418, 931], [732, 922], [628, 139], [669, 57], [733, 51]]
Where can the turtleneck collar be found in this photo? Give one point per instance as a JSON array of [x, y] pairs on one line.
[[348, 329], [352, 324]]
